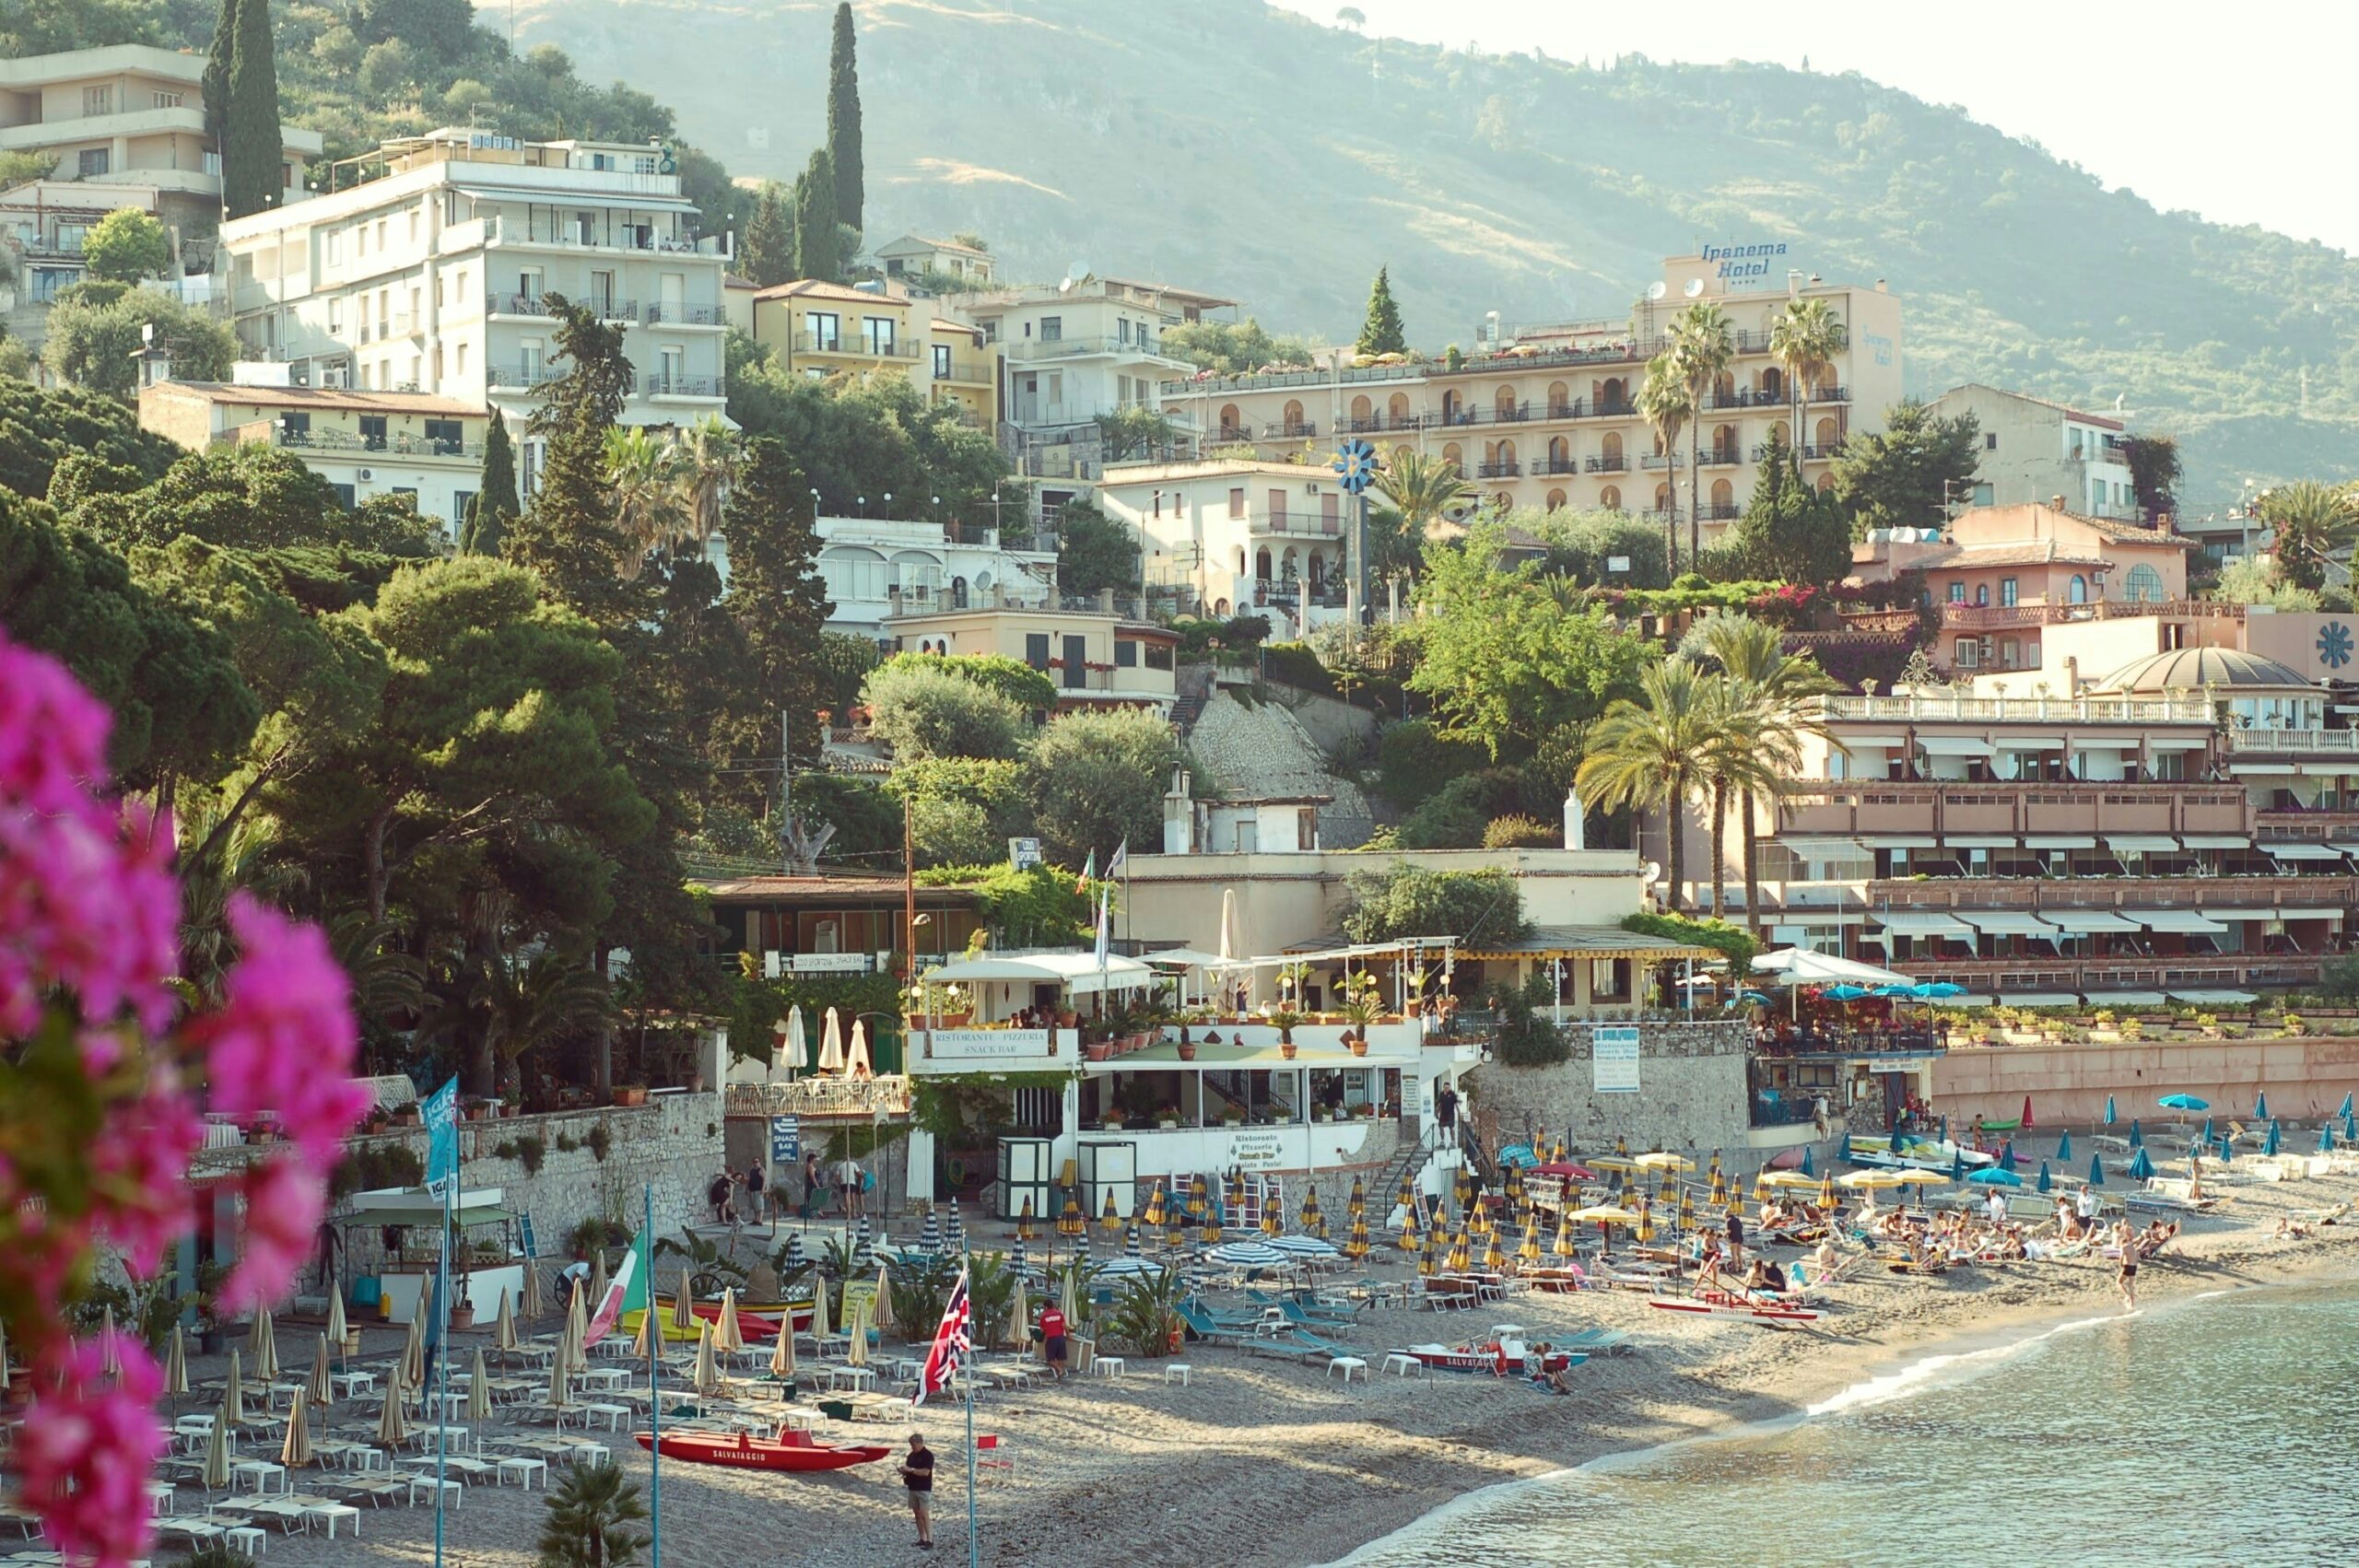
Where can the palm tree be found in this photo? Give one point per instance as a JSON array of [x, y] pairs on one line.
[[1804, 338], [2315, 524], [550, 998], [1420, 492], [1732, 761], [1649, 753], [1772, 700], [1701, 347], [649, 500], [710, 458], [1666, 404], [589, 1521]]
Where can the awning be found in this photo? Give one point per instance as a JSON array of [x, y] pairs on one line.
[[2031, 742], [2216, 840], [1971, 999], [1080, 973], [2142, 844], [2117, 745], [2245, 917], [2303, 851], [2006, 922], [2347, 846], [1911, 922], [1817, 843], [2039, 998], [1896, 841], [2308, 914], [2264, 769], [2167, 743], [2215, 999], [1954, 745], [2183, 922], [2059, 841], [1980, 841], [2087, 922], [2125, 998], [1869, 743]]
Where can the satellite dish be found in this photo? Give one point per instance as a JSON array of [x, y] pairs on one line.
[[1656, 290], [1654, 871], [1694, 287]]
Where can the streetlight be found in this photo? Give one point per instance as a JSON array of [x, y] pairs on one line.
[[888, 503]]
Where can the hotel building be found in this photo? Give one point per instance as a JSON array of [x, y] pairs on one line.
[[1546, 416], [2032, 449]]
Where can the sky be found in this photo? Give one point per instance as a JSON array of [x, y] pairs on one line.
[[2193, 105]]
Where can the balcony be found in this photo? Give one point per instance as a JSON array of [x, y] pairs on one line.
[[2294, 742], [2120, 971], [1938, 809], [612, 309], [2021, 709], [825, 1097], [1075, 348], [1659, 461], [967, 375], [854, 347], [1721, 511], [1831, 394], [1303, 522], [1513, 414], [1607, 465], [518, 377], [1549, 467], [1289, 430], [2030, 895], [1721, 456], [1988, 617], [391, 446], [518, 305], [1505, 469], [683, 315], [660, 385], [594, 186]]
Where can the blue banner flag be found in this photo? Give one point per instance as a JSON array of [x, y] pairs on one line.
[[441, 1113]]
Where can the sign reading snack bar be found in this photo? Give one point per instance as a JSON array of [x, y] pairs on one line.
[[1613, 1058]]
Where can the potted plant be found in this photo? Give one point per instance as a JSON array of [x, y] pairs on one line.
[[1187, 1047], [1363, 1005], [462, 1311], [627, 1095], [1286, 1019]]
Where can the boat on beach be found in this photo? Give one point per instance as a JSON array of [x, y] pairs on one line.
[[757, 1323], [1914, 1154], [794, 1451], [1491, 1358], [1720, 1304]]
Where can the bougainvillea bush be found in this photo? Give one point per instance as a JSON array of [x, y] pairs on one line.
[[104, 1072]]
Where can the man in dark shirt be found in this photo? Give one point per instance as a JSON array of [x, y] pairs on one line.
[[756, 1200], [917, 1474]]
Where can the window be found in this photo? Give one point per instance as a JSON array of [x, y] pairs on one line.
[[98, 100], [941, 361], [459, 356], [1126, 654], [1237, 503], [876, 333], [1958, 594], [2007, 591], [166, 99], [1277, 508], [2010, 653], [344, 496], [1990, 441], [825, 330], [333, 246], [1036, 649], [1158, 655], [381, 234], [413, 225], [990, 330], [2145, 585], [1052, 329], [673, 358], [460, 501], [1969, 653], [447, 436], [373, 432], [295, 422], [1122, 329], [335, 316], [91, 162], [2077, 590]]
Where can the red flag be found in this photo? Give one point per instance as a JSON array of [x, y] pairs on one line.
[[952, 1345]]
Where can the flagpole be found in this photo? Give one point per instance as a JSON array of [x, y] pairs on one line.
[[442, 1353], [655, 1373], [974, 1528]]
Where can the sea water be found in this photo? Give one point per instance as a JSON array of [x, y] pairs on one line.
[[2222, 1430]]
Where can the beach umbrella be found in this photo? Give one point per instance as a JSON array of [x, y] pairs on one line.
[[1761, 1189], [856, 1352], [216, 1452], [296, 1451], [2044, 1183], [1808, 1167], [1409, 1228], [930, 1235], [1875, 1181], [265, 1339], [2227, 1151], [2350, 1127], [1356, 1205], [2064, 1148], [1670, 1185], [782, 1348], [2207, 1130], [706, 1379], [2108, 1110], [2096, 1170], [2269, 1144], [2026, 1116], [2137, 1138], [2183, 1102], [1826, 1197], [794, 1258], [1957, 1166], [856, 1063], [864, 1249], [642, 1344], [1356, 1245], [1068, 1292], [1686, 1211], [2326, 1146], [110, 1361], [478, 1392], [1072, 1222], [1175, 1230], [598, 1279], [1026, 1228], [233, 1391], [1153, 1218], [1644, 1229], [1564, 1245], [175, 1364], [818, 1309], [1111, 1218], [1621, 1146], [2007, 1155], [831, 1045], [1844, 992], [1719, 1195], [533, 1301], [883, 1314], [1464, 1189], [2347, 1106], [683, 1302], [730, 1337], [576, 1344], [413, 1350], [2260, 1104], [1131, 1244], [391, 1430], [2141, 1166], [1424, 1250], [1991, 1175], [503, 1331], [1311, 1222], [338, 1329], [322, 1387], [797, 1056], [1274, 1215], [1019, 1319], [1460, 1251], [1945, 1127]]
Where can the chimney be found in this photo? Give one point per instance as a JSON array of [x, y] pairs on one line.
[[1179, 816], [1576, 828], [2056, 503]]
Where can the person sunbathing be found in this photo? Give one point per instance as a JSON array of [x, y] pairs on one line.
[[2291, 1229]]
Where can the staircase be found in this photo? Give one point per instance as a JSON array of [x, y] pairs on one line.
[[1186, 711], [1410, 1159]]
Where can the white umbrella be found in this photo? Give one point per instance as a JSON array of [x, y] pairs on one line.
[[233, 1396], [3, 1360], [535, 1304], [265, 1346], [296, 1452], [798, 1056], [706, 1375], [831, 1045], [216, 1451], [1229, 924], [478, 1393], [175, 1365], [1790, 965], [1019, 1330], [783, 1352], [109, 1361], [1247, 1255], [338, 1330], [856, 1064], [391, 1430], [560, 1380], [504, 1338], [598, 1281], [856, 1352], [1301, 1246], [414, 1350], [729, 1337], [818, 1308], [884, 1318], [577, 1336], [321, 1389]]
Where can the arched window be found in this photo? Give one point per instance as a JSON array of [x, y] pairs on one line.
[[1240, 562], [1455, 456], [2077, 590], [1294, 422], [1556, 500], [1723, 498], [1610, 499], [1981, 593], [1506, 456], [1449, 406], [1612, 452], [1611, 395], [1560, 455], [1827, 484], [1502, 402], [1824, 439], [1724, 390], [1262, 564], [1724, 444], [1560, 401], [1398, 410], [1779, 434], [1662, 498], [958, 592], [1363, 413], [1232, 423], [1773, 384], [1220, 606], [852, 573], [2145, 585], [1318, 570]]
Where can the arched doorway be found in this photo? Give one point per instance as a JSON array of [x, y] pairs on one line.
[[1295, 422], [1823, 440], [1560, 455], [1398, 410], [1723, 499], [1610, 497], [1451, 403], [1556, 500], [1504, 404], [1363, 414], [1262, 564], [1723, 444], [1560, 401], [1662, 498], [1610, 457], [1232, 423], [1773, 385], [1613, 396]]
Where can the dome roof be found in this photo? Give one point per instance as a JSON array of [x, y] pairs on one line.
[[2192, 669]]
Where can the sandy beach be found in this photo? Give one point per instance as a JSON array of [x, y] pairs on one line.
[[1262, 1462]]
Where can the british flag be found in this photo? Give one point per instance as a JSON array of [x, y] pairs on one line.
[[954, 1343]]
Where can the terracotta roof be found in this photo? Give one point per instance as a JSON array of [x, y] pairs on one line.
[[749, 888], [731, 280], [2040, 553], [813, 288], [2134, 533], [908, 240], [326, 397]]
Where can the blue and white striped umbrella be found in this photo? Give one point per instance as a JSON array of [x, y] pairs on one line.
[[794, 1249], [1127, 1268], [957, 1233], [863, 1246], [1130, 1243], [1247, 1255], [1016, 1260], [930, 1238], [1304, 1246]]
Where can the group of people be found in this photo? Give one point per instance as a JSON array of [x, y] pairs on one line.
[[748, 1196]]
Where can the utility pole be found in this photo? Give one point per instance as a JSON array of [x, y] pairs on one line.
[[909, 898], [785, 789]]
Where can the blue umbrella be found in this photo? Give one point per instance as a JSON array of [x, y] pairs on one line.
[[2208, 1133], [1759, 999], [2183, 1102], [2227, 1151], [2108, 1110], [2044, 1184], [1957, 1166], [1894, 991], [1945, 1127], [1806, 1163], [1932, 990], [2346, 1111], [2260, 1104], [2137, 1139], [2326, 1139], [2350, 1127], [2269, 1144], [1991, 1175], [2140, 1167], [2096, 1171], [2007, 1155], [2064, 1147], [1844, 992]]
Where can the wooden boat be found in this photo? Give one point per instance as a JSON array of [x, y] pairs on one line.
[[794, 1451], [1720, 1304], [757, 1323], [1488, 1358]]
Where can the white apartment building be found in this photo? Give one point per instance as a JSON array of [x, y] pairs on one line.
[[432, 275], [1077, 349], [878, 569], [2034, 450], [1240, 536], [1545, 415]]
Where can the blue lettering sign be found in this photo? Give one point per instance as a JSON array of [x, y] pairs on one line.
[[786, 1139]]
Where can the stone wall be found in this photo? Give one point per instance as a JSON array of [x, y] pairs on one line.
[[2305, 1077], [1692, 1094], [674, 1143]]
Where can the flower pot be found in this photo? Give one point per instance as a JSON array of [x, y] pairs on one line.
[[1068, 1019], [462, 1317], [1098, 1050], [954, 1020], [1359, 1045], [636, 1096], [1286, 1049], [1187, 1050]]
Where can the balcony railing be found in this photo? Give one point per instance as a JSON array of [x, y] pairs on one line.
[[969, 375], [1068, 347], [1744, 397], [681, 386], [1721, 511], [520, 376], [1507, 468], [1936, 809], [1547, 467], [1616, 464], [1660, 460], [612, 309], [2011, 894], [2320, 742], [853, 345], [1289, 430], [888, 1095], [1303, 522], [2022, 710], [1721, 456], [1983, 617], [347, 441], [516, 305], [1831, 394], [683, 315]]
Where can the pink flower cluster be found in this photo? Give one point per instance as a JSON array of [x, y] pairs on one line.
[[90, 915]]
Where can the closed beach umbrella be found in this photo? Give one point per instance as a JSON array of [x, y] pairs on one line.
[[856, 1353], [110, 1362], [598, 1281], [2096, 1171], [2260, 1104], [2064, 1148], [856, 1063], [1462, 1251], [1111, 1219], [1027, 1223], [1564, 1245], [414, 1350], [1464, 1189], [338, 1330], [730, 1337], [1425, 1255], [2269, 1144], [1357, 1204], [798, 1055], [642, 1343], [1409, 1228], [1068, 1303], [1313, 1222], [216, 1452], [818, 1308], [1072, 1222], [503, 1332], [1958, 1165], [954, 1234], [2208, 1135], [322, 1388], [296, 1451], [175, 1365], [233, 1392], [1621, 1146], [577, 1335], [391, 1430], [2110, 1112], [930, 1234], [1761, 1189], [1644, 1229], [1019, 1319], [782, 1348], [1356, 1245], [2347, 1106], [2350, 1127], [2326, 1139], [683, 1306], [883, 1316], [1153, 1218], [2227, 1151], [2137, 1137], [478, 1392], [1686, 1211], [1808, 1168], [265, 1338], [2142, 1168], [535, 1304], [560, 1376], [1530, 1251], [1825, 1198], [706, 1379], [1493, 1257], [2027, 1117], [2044, 1183], [831, 1045], [1131, 1244], [2007, 1155]]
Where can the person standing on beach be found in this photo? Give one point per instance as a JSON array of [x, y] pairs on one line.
[[2127, 1277], [757, 1204], [1736, 1234], [917, 1474], [2085, 1206], [1053, 1340]]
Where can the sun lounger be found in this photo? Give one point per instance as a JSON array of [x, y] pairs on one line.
[[1201, 1326], [1597, 1342], [1302, 1346]]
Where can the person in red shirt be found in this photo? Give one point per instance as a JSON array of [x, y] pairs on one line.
[[1052, 1335]]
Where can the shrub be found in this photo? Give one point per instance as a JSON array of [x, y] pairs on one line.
[[1521, 832], [928, 712], [1404, 901], [1414, 763], [950, 832], [598, 1141], [1734, 941], [1019, 682], [1094, 779], [1526, 1038]]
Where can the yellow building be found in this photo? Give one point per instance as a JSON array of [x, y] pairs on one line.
[[963, 369], [1095, 653], [818, 329], [363, 443]]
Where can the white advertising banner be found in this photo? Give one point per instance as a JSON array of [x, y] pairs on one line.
[[1613, 1058], [986, 1045]]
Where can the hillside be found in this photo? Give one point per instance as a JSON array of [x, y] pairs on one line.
[[1250, 152]]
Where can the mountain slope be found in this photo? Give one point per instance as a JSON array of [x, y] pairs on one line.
[[1250, 152]]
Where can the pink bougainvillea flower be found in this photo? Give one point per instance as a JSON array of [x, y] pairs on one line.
[[283, 1036], [139, 1171], [284, 1206], [83, 1457]]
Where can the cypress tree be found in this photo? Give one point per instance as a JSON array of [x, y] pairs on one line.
[[768, 254], [1381, 333], [775, 596], [843, 121], [570, 535], [252, 148], [495, 504], [815, 221], [217, 76]]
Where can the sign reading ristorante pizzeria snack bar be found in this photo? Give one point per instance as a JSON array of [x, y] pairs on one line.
[[986, 1045]]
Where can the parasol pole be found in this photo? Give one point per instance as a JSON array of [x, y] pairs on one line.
[[655, 1372]]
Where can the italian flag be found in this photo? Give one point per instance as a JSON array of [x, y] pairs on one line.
[[624, 1293]]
